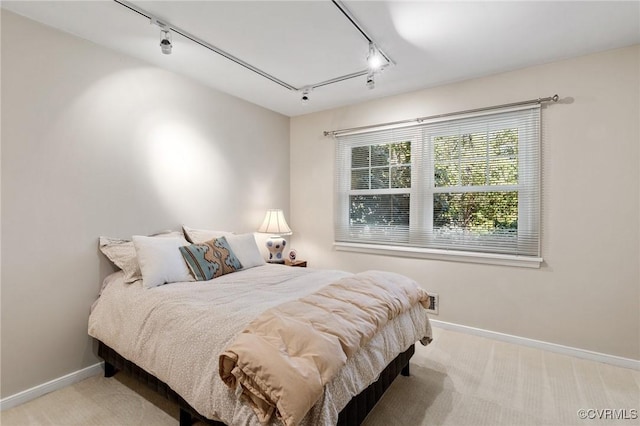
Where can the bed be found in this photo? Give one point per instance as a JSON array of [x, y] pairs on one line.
[[170, 337]]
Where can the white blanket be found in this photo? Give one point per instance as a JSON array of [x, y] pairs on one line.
[[177, 331]]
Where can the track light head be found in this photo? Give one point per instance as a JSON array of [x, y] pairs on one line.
[[165, 42], [371, 83], [305, 95], [165, 35], [374, 58]]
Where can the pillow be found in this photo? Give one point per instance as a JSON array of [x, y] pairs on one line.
[[160, 260], [245, 248], [211, 259], [199, 236], [122, 253]]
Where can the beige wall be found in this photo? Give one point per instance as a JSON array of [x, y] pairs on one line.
[[97, 143], [587, 293]]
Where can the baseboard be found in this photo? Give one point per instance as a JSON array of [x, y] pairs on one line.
[[539, 344], [55, 384]]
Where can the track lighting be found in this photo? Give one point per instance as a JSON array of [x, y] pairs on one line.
[[305, 95], [376, 62], [371, 84], [165, 35], [374, 58], [165, 42]]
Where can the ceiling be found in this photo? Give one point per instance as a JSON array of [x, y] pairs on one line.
[[306, 42]]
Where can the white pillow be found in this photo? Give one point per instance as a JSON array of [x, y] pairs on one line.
[[122, 253], [245, 248], [160, 260], [199, 236]]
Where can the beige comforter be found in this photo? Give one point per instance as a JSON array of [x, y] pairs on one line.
[[177, 331], [286, 356]]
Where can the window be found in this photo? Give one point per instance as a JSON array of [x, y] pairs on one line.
[[379, 193], [463, 186]]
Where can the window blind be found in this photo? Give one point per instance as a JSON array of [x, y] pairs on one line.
[[467, 183]]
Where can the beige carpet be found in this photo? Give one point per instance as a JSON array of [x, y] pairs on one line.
[[457, 380]]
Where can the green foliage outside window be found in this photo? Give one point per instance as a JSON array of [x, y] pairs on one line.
[[476, 160], [379, 167], [474, 179]]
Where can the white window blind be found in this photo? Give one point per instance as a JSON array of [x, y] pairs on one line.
[[467, 184]]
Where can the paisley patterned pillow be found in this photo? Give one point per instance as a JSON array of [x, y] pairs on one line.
[[210, 259]]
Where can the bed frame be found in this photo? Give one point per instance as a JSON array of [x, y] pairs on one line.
[[353, 414]]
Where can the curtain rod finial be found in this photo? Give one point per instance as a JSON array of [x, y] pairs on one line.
[[555, 98]]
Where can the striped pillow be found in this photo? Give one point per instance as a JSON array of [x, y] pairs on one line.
[[210, 259]]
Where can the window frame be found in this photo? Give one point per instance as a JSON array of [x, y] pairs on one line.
[[421, 237], [346, 188]]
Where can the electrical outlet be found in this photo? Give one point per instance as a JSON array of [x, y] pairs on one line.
[[433, 303]]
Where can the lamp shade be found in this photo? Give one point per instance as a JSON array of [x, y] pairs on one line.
[[275, 223]]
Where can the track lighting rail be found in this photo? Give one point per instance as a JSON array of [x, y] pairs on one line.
[[229, 56], [355, 23], [206, 45]]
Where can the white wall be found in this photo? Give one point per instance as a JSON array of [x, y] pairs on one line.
[[587, 293], [97, 143]]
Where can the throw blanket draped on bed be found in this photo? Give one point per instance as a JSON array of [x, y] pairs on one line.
[[284, 357]]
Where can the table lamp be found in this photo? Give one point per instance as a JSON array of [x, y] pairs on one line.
[[276, 225]]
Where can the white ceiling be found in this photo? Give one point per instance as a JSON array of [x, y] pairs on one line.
[[307, 42]]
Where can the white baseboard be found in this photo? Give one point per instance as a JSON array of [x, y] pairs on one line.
[[538, 344], [55, 384]]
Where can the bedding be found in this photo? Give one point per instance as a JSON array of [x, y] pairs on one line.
[[160, 260], [197, 236], [211, 259], [283, 359], [246, 249], [243, 245], [122, 253], [176, 332]]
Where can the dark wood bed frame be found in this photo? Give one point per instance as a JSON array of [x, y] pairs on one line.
[[353, 413]]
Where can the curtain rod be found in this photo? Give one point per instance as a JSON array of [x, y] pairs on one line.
[[553, 98]]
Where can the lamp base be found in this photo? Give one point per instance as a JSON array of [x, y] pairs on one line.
[[276, 245]]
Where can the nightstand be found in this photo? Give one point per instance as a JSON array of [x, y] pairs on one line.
[[298, 263]]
